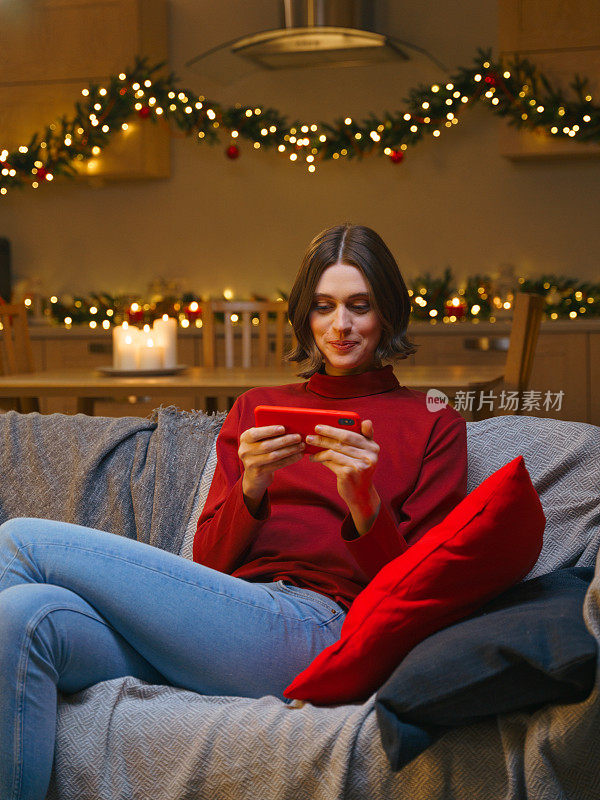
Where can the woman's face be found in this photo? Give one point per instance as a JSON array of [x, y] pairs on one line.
[[341, 312]]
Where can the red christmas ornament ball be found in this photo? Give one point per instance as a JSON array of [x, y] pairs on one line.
[[232, 151], [489, 79], [41, 172], [144, 112], [396, 156]]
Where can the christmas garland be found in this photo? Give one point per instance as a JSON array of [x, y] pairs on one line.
[[516, 91], [433, 299]]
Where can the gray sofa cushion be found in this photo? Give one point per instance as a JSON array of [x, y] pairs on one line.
[[563, 459]]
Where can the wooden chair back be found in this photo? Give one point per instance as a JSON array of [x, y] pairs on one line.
[[528, 310], [245, 311], [16, 354]]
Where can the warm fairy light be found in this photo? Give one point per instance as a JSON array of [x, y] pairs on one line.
[[198, 323], [54, 299], [348, 120], [93, 310], [93, 324], [185, 323], [433, 312], [407, 117], [425, 105], [293, 157], [436, 133], [435, 88], [414, 128], [506, 74], [135, 307], [68, 320], [122, 76], [27, 301], [96, 150], [477, 78], [311, 168], [109, 312], [85, 92], [506, 305], [475, 309], [572, 314], [194, 306], [228, 294], [234, 317], [105, 324]]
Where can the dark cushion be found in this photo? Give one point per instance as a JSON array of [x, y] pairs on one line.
[[527, 647]]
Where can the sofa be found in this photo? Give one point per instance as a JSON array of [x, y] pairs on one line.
[[148, 478]]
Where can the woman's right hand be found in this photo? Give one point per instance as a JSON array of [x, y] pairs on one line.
[[262, 451]]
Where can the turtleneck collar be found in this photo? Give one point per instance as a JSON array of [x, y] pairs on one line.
[[374, 381]]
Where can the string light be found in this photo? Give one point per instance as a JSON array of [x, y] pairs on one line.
[[146, 95]]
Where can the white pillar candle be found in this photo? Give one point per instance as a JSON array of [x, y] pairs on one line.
[[129, 349], [125, 345], [151, 355], [165, 335]]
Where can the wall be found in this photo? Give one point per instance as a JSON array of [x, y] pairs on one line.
[[245, 223]]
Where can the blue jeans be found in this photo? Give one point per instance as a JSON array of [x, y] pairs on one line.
[[79, 606]]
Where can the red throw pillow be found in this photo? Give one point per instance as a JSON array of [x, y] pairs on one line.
[[487, 543]]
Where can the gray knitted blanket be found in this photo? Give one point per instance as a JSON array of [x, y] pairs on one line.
[[131, 476]]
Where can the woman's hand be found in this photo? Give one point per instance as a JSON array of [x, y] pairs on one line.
[[262, 451], [353, 458]]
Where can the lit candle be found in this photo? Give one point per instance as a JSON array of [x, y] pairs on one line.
[[151, 355], [125, 347], [165, 335]]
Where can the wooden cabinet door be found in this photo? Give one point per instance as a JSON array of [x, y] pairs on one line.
[[52, 49], [562, 38]]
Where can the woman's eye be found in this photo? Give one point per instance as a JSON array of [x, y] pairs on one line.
[[327, 308]]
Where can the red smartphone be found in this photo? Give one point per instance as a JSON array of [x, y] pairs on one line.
[[303, 420]]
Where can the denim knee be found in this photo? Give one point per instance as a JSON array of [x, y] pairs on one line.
[[24, 607], [15, 527]]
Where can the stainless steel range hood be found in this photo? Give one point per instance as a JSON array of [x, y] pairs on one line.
[[319, 33]]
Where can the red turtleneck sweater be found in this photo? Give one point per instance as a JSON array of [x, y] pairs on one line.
[[303, 532]]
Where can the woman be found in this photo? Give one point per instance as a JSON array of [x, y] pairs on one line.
[[284, 543]]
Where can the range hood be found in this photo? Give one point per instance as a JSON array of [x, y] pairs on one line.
[[319, 33]]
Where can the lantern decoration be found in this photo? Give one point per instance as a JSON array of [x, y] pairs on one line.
[[135, 314], [455, 307]]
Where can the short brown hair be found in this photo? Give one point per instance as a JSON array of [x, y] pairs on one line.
[[360, 247]]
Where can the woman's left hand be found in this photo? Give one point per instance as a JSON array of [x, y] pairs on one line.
[[353, 458]]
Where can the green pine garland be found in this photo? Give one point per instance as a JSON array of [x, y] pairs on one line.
[[516, 91], [565, 299]]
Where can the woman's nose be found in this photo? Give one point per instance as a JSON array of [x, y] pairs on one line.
[[341, 321]]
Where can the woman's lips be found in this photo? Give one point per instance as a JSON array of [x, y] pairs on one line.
[[343, 347]]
